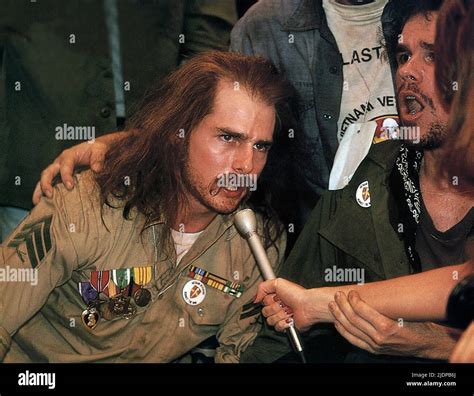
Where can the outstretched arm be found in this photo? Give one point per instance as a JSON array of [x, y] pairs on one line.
[[378, 317], [414, 297]]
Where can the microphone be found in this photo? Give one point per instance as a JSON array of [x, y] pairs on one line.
[[246, 223]]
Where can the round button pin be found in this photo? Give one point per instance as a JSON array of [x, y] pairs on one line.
[[194, 292], [363, 195]]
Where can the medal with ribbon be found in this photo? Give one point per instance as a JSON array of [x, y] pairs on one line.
[[141, 277], [121, 277], [88, 292], [90, 316], [111, 290], [100, 280]]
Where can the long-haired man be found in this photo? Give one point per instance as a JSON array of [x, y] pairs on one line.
[[141, 262]]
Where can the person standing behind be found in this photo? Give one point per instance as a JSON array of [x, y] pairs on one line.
[[331, 51], [72, 71]]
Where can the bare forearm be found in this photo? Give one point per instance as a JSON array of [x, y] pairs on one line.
[[415, 297]]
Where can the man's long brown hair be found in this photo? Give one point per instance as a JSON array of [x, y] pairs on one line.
[[144, 169], [454, 54], [454, 47]]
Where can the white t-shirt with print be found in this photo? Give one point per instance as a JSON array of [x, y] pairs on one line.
[[368, 108]]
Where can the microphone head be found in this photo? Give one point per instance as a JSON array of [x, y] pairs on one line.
[[245, 222]]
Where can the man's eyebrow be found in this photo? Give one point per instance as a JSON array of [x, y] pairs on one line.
[[427, 46], [402, 48], [237, 134], [264, 142], [243, 136]]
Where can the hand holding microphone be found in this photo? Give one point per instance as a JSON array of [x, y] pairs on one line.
[[246, 224]]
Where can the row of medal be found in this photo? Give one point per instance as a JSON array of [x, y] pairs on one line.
[[119, 286]]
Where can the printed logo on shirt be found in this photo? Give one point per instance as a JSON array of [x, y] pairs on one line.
[[387, 128], [380, 106], [363, 55]]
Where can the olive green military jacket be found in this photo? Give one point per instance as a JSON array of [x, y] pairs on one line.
[[64, 240], [55, 70], [341, 234]]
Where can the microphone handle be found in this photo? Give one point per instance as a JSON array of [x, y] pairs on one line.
[[267, 272], [261, 257]]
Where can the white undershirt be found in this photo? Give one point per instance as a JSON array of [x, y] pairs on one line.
[[183, 241]]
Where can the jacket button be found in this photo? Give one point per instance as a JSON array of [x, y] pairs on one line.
[[333, 70], [104, 112], [200, 312], [327, 116]]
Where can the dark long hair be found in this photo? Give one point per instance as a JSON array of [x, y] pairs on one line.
[[454, 47], [144, 169], [454, 54]]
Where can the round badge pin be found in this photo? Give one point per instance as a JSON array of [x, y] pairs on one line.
[[363, 195], [194, 292]]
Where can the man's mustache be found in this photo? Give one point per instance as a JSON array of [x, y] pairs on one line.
[[221, 182], [414, 88]]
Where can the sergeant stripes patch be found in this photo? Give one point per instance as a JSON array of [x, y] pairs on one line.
[[37, 237], [250, 309]]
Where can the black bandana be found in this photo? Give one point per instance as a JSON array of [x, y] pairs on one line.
[[405, 184]]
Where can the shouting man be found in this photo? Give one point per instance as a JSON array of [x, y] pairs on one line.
[[399, 215]]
